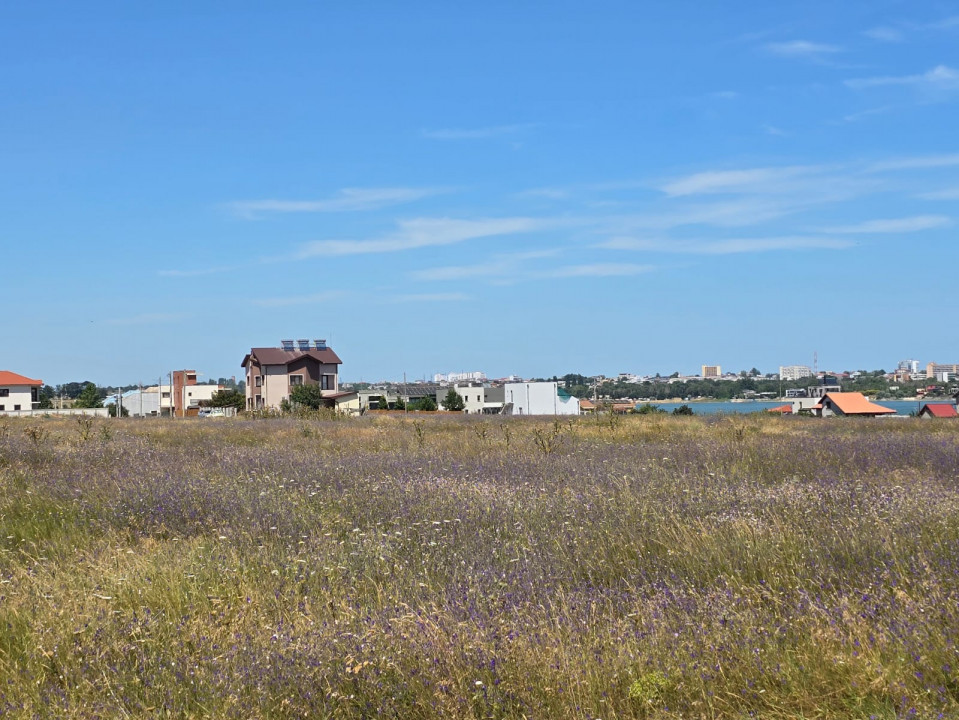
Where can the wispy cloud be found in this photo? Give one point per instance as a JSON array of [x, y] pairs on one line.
[[894, 225], [947, 194], [500, 266], [774, 131], [919, 162], [939, 79], [757, 180], [432, 297], [197, 272], [479, 133], [802, 50], [728, 246], [884, 34], [425, 232], [313, 299], [598, 270], [346, 200], [147, 319]]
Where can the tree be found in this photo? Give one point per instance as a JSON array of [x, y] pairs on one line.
[[310, 396], [47, 394], [400, 403], [113, 411], [89, 397], [427, 404], [648, 409], [453, 401], [228, 398], [683, 410]]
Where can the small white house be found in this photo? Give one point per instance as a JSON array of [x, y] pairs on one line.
[[539, 398], [18, 393]]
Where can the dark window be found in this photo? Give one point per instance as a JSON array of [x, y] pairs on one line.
[[2, 408], [16, 407], [259, 381], [4, 392], [296, 379]]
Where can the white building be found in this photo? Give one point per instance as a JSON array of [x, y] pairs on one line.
[[478, 399], [539, 398], [794, 372], [18, 392], [909, 366], [464, 377]]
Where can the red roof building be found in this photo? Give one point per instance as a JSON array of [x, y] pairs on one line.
[[849, 403], [938, 410]]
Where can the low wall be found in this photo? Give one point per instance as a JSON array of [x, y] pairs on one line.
[[95, 412]]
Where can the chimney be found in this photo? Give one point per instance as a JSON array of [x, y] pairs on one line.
[[320, 344], [287, 345], [304, 345]]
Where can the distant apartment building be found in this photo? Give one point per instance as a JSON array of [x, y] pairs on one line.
[[941, 372], [272, 373], [908, 366], [712, 371], [464, 377], [18, 392], [794, 372]]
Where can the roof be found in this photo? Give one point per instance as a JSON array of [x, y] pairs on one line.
[[940, 410], [853, 403], [586, 404], [12, 378], [782, 409], [279, 356]]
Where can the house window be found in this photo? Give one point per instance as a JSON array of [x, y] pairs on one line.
[[329, 382], [296, 380], [34, 394], [2, 408], [16, 407], [259, 381], [4, 392]]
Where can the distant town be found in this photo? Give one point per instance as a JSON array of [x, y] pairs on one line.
[[306, 373]]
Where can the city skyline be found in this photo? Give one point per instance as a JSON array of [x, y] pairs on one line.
[[530, 190]]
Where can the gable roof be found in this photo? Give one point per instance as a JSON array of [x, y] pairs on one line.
[[940, 410], [279, 356], [853, 403], [12, 378]]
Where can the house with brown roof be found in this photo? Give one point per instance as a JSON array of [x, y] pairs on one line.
[[849, 403], [938, 410], [273, 372], [18, 392]]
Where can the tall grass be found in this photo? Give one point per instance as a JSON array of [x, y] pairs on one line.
[[647, 567]]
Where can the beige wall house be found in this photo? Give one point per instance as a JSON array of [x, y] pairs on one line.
[[273, 372], [18, 393]]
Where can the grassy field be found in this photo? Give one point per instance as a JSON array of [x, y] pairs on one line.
[[643, 567]]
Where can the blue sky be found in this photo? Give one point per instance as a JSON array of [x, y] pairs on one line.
[[528, 188]]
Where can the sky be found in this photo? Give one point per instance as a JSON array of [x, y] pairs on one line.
[[515, 188]]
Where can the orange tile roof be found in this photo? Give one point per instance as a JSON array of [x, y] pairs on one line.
[[585, 404], [853, 403], [940, 410], [782, 409], [11, 378]]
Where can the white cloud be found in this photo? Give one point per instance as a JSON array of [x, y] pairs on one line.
[[432, 297], [346, 200], [802, 49], [314, 299], [598, 270], [918, 162], [758, 180], [424, 232], [947, 194], [480, 133], [884, 34], [500, 266], [894, 225], [726, 246], [940, 78]]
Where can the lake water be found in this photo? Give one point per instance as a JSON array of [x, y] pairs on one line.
[[902, 407]]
